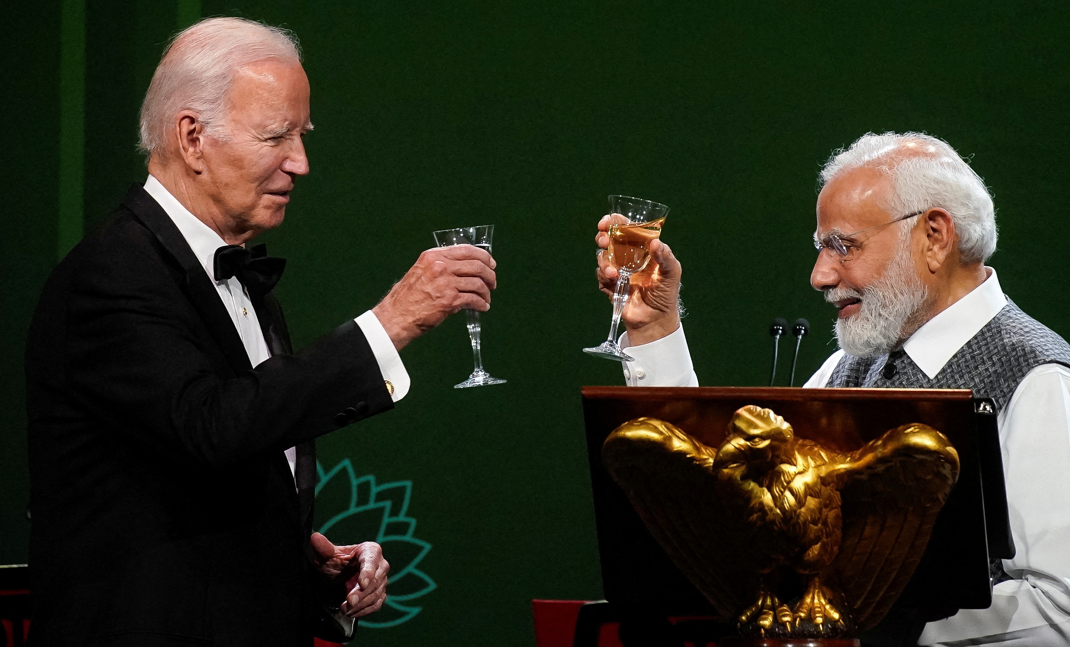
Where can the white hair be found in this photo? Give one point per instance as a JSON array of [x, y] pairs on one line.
[[197, 70], [926, 173]]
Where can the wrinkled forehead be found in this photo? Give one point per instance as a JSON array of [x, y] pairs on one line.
[[271, 91], [854, 200], [270, 78]]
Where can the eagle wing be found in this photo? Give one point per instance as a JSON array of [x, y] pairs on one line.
[[668, 477], [892, 490]]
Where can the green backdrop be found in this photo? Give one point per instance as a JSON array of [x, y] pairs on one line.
[[526, 115]]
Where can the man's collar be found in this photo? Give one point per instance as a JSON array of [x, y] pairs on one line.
[[202, 239], [933, 345]]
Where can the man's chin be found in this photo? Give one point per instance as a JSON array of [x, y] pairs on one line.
[[270, 219], [859, 344]]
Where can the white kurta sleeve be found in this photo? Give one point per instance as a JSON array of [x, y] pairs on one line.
[[665, 362]]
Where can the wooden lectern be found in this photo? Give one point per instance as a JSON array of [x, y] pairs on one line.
[[972, 528]]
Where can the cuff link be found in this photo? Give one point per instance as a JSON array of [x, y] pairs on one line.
[[389, 387]]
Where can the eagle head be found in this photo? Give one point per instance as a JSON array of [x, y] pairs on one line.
[[758, 438]]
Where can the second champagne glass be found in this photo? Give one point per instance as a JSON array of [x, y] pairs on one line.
[[481, 236], [629, 252]]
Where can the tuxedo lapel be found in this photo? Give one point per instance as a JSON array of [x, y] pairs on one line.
[[277, 336], [202, 294], [305, 474], [272, 324]]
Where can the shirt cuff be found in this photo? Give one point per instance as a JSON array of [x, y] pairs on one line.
[[664, 362], [390, 364]]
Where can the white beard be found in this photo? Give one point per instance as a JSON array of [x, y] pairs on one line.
[[890, 312]]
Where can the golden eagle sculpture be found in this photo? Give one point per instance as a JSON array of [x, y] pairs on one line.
[[767, 511]]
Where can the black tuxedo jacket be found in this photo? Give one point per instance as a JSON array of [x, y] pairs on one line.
[[164, 512]]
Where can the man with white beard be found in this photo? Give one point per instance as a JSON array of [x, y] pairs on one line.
[[904, 227]]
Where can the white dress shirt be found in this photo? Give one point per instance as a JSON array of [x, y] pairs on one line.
[[1034, 608], [204, 242], [663, 362]]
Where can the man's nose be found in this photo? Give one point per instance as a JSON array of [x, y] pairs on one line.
[[826, 274], [296, 163]]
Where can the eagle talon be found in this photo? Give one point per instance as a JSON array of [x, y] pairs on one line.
[[816, 606], [765, 620], [765, 612], [784, 616]]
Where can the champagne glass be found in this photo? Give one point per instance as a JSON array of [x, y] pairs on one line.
[[629, 252], [480, 236]]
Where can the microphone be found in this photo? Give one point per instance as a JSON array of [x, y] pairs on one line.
[[800, 329], [776, 331]]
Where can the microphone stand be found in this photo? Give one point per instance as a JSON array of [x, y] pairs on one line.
[[800, 328]]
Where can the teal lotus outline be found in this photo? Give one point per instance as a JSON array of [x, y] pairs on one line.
[[395, 533]]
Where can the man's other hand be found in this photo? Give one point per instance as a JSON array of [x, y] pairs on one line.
[[652, 311], [443, 281], [366, 586]]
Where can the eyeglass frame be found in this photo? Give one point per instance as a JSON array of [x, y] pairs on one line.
[[834, 242]]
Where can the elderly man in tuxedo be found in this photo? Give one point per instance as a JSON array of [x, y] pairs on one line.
[[171, 427], [904, 227]]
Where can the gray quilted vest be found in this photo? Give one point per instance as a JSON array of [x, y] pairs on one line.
[[992, 363]]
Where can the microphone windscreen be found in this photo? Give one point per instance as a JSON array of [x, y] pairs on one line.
[[778, 327], [800, 327]]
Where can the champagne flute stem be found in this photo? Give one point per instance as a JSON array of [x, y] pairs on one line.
[[620, 298], [474, 328]]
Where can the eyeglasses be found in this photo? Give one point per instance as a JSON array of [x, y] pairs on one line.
[[844, 244]]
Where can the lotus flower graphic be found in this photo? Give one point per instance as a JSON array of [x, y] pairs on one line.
[[356, 509]]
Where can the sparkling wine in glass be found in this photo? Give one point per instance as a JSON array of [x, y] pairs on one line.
[[480, 236], [636, 223]]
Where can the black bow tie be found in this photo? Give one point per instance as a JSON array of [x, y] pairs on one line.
[[257, 271]]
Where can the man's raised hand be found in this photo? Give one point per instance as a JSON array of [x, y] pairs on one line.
[[443, 281], [652, 311]]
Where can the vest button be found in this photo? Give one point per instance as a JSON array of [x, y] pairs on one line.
[[889, 370]]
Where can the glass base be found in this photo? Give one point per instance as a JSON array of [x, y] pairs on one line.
[[609, 350], [479, 378]]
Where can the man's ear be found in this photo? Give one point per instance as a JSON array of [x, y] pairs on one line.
[[941, 240], [189, 131]]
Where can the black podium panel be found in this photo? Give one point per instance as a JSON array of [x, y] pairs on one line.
[[953, 573]]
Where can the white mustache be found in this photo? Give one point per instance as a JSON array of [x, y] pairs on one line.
[[832, 295]]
